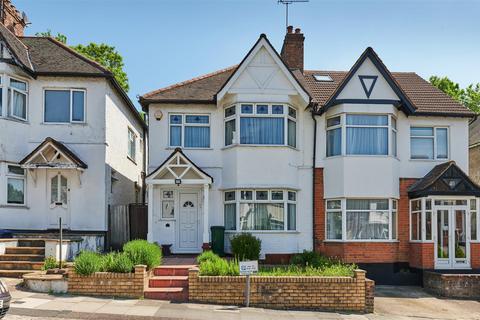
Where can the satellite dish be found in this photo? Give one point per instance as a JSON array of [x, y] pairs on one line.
[[25, 18]]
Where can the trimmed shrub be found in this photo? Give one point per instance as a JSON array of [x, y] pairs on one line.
[[87, 263], [50, 263], [311, 259], [219, 267], [143, 252], [120, 263], [246, 247], [207, 256]]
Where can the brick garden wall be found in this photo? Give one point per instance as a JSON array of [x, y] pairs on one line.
[[452, 285], [129, 285], [314, 293]]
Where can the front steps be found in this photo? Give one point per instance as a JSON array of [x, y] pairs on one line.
[[169, 283], [27, 257]]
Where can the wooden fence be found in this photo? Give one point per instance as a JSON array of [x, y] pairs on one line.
[[125, 223]]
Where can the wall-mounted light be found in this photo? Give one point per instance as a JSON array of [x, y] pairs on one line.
[[178, 182]]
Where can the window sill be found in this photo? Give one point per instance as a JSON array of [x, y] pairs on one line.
[[183, 148], [15, 206], [263, 231], [14, 120], [429, 160], [421, 241], [64, 123], [361, 156], [259, 146], [357, 241]]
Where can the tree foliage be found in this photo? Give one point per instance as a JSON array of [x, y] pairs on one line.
[[470, 96], [102, 53]]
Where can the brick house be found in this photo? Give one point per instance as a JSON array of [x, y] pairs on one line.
[[366, 165]]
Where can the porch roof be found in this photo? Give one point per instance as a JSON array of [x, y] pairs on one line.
[[444, 179], [52, 154], [178, 167]]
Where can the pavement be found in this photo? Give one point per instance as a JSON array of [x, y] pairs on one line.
[[392, 303]]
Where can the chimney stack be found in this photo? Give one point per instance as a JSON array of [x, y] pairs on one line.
[[292, 49], [11, 18]]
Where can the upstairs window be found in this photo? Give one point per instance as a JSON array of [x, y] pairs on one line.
[[261, 124], [15, 185], [189, 131], [428, 143], [132, 144], [17, 99], [64, 106]]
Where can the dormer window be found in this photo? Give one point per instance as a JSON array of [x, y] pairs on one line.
[[261, 124]]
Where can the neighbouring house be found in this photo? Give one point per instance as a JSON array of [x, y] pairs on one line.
[[366, 165], [71, 141], [474, 150]]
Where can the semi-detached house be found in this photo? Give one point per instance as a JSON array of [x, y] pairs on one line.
[[366, 165]]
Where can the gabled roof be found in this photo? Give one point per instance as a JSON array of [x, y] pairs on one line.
[[444, 179], [18, 50], [182, 160], [70, 155], [423, 97]]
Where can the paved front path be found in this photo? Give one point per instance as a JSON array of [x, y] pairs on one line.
[[392, 303]]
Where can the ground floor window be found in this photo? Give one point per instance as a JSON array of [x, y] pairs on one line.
[[260, 210], [15, 185], [361, 219]]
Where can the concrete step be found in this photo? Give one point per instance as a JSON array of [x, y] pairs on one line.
[[169, 294], [13, 273], [176, 270], [20, 265], [22, 257], [168, 281], [25, 250], [31, 243]]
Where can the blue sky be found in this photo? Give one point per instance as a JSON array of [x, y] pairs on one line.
[[164, 42]]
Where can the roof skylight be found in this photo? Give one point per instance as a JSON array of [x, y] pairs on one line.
[[323, 77]]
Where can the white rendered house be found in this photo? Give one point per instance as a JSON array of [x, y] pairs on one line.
[[366, 165], [71, 141]]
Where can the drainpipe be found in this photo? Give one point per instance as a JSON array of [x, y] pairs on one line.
[[313, 175], [144, 160]]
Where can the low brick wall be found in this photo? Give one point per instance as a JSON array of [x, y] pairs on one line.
[[465, 286], [128, 285], [314, 293]]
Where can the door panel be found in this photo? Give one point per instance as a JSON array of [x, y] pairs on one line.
[[188, 221], [443, 239], [59, 199]]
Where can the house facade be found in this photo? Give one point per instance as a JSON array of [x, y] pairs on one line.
[[366, 165], [71, 141]]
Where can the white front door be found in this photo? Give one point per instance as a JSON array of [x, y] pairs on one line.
[[59, 199], [188, 222], [452, 238]]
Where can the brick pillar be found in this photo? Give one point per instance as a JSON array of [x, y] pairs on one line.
[[319, 211], [475, 255], [403, 219]]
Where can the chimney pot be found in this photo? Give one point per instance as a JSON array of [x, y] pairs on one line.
[[297, 30], [289, 29]]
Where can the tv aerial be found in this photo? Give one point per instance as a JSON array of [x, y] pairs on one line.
[[287, 3]]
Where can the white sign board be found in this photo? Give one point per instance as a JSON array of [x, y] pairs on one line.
[[248, 267]]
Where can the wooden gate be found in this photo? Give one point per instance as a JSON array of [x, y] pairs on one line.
[[125, 223], [138, 214]]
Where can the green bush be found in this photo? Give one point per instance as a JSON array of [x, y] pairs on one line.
[[207, 256], [107, 262], [50, 263], [120, 263], [312, 259], [246, 247], [143, 252], [88, 262], [219, 267]]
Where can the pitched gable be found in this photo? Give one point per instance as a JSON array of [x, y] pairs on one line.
[[262, 71]]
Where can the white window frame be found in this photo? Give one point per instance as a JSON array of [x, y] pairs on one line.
[[343, 125], [285, 201], [434, 137], [331, 128], [238, 115], [17, 177], [132, 134], [71, 90], [344, 220], [184, 124], [9, 99]]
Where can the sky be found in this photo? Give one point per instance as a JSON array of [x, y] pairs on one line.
[[168, 41]]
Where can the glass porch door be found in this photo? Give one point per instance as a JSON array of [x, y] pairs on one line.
[[452, 247]]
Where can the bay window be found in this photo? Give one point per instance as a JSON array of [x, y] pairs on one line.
[[189, 130], [17, 99], [260, 210], [261, 124], [64, 106], [361, 219], [430, 143], [363, 134], [15, 185]]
